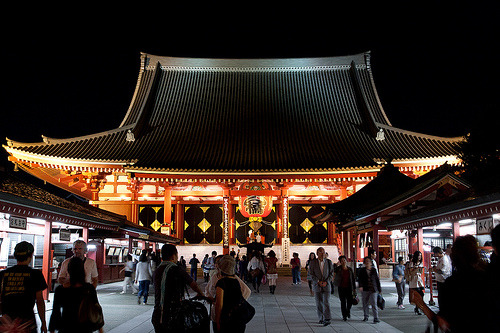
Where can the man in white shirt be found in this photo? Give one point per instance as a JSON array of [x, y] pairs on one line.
[[79, 250], [442, 270]]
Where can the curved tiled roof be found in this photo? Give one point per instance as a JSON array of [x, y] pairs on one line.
[[250, 115]]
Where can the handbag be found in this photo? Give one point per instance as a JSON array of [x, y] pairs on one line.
[[355, 300], [188, 316], [264, 279], [255, 272], [380, 302], [241, 313], [90, 312]]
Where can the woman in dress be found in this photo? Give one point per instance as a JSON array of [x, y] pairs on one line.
[[415, 272], [228, 295], [346, 283], [143, 275], [272, 272], [67, 300], [312, 256]]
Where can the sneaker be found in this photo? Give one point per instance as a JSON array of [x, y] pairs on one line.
[[365, 319], [375, 321], [321, 322], [326, 323], [122, 293], [134, 293], [144, 303], [401, 307]]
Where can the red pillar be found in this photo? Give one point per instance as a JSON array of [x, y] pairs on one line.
[[167, 207], [456, 230], [47, 258]]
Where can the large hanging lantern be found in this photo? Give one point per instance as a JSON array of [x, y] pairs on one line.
[[255, 205]]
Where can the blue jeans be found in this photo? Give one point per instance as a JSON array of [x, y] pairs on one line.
[[296, 274], [144, 290]]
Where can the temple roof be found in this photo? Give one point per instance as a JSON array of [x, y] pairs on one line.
[[248, 115], [388, 190]]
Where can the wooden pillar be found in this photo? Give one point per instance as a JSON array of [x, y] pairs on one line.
[[47, 259], [167, 208], [232, 225], [85, 234], [420, 240], [225, 223], [456, 230], [285, 240], [343, 192], [279, 223], [376, 241], [179, 221]]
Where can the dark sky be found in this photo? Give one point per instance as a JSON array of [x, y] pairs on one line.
[[435, 68]]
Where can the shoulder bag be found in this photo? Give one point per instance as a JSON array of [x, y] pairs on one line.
[[242, 312]]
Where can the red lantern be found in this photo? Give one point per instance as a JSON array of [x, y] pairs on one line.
[[255, 205]]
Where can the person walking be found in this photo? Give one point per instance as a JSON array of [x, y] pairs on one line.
[[210, 265], [373, 256], [211, 289], [398, 276], [295, 263], [206, 270], [442, 271], [67, 301], [243, 271], [272, 272], [129, 271], [466, 296], [322, 272], [346, 283], [91, 275], [312, 256], [369, 285], [169, 284], [22, 288], [143, 276], [415, 272], [256, 270], [228, 295], [194, 267]]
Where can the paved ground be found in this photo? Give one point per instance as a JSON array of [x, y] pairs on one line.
[[291, 309]]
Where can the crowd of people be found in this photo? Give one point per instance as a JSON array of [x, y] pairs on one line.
[[467, 286]]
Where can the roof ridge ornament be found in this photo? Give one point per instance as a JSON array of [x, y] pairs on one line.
[[130, 136], [380, 135]]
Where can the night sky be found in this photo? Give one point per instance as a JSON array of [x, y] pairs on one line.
[[435, 69]]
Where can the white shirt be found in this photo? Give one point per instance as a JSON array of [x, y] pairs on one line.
[[444, 265], [255, 263], [89, 266], [321, 265], [143, 271]]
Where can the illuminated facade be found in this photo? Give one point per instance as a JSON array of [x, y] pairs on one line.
[[212, 151]]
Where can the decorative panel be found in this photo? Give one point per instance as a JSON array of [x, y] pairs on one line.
[[203, 224], [302, 227], [152, 217]]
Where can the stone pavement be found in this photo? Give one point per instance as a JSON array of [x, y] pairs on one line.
[[290, 309]]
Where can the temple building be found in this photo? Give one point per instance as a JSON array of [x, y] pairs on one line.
[[221, 152]]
